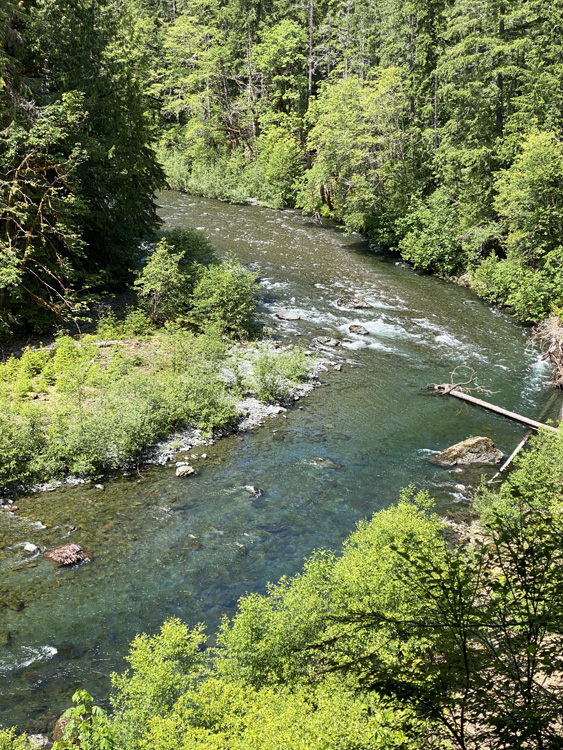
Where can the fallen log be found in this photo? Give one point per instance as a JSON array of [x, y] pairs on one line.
[[451, 391]]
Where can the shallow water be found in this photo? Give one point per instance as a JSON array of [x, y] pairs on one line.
[[164, 546]]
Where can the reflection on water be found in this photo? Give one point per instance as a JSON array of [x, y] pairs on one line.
[[165, 546]]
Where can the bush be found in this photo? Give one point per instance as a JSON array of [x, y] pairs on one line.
[[10, 741], [274, 373], [226, 295], [530, 293], [164, 285], [281, 161], [429, 234]]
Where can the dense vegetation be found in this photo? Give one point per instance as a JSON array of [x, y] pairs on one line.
[[407, 640], [434, 125], [88, 404], [77, 173]]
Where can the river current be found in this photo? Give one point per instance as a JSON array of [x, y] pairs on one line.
[[164, 546]]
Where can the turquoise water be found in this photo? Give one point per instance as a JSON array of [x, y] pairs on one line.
[[164, 546]]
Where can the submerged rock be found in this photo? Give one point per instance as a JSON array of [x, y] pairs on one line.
[[10, 600], [474, 450], [5, 637], [252, 490], [356, 303], [69, 554], [185, 471], [358, 330]]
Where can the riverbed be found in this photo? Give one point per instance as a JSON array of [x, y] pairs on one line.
[[164, 546]]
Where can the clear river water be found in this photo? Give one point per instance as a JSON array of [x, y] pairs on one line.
[[165, 546]]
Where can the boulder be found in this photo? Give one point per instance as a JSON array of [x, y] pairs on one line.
[[185, 470], [69, 554], [326, 341], [356, 303], [474, 450], [39, 742], [286, 315], [358, 330], [60, 727]]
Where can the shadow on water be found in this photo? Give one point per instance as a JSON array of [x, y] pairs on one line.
[[164, 546]]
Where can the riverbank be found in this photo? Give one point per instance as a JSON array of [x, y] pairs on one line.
[[83, 407]]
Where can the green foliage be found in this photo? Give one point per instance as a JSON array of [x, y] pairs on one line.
[[163, 284], [161, 670], [274, 373], [480, 644], [429, 238], [535, 483], [528, 200], [10, 741], [530, 293], [102, 406], [358, 134], [225, 294], [77, 174], [219, 715], [281, 161], [87, 726]]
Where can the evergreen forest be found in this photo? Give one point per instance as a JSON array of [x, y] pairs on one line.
[[434, 126]]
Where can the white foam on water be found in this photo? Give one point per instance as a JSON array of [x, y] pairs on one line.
[[269, 284], [455, 346], [378, 327], [28, 656]]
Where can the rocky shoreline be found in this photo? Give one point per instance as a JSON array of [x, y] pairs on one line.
[[252, 412]]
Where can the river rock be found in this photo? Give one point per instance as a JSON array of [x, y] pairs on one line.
[[31, 549], [326, 341], [5, 637], [474, 450], [286, 315], [39, 742], [60, 727], [252, 490], [185, 471], [356, 303], [10, 600], [69, 554], [358, 330]]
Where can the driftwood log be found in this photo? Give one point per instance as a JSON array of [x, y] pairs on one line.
[[446, 389]]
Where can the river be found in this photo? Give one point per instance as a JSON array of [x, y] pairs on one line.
[[164, 546]]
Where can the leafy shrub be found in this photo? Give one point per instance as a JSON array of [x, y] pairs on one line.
[[226, 295], [103, 406], [275, 372], [163, 285], [162, 668], [10, 741], [281, 161], [429, 234], [87, 727], [530, 293]]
